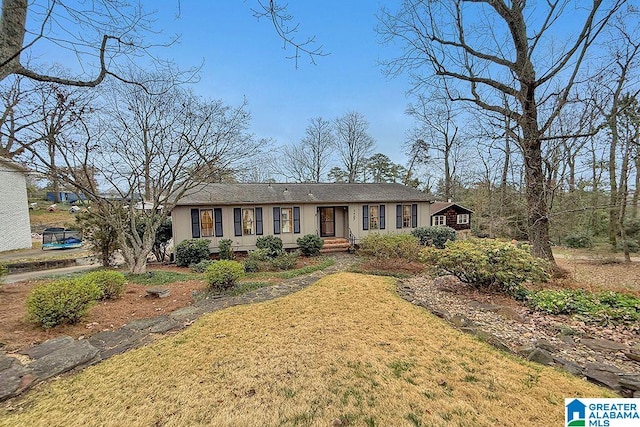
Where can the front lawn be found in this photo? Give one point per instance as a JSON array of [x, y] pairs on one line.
[[347, 348]]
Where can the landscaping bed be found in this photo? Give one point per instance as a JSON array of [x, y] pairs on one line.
[[16, 332]]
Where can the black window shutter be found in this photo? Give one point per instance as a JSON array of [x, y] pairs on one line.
[[237, 221], [398, 216], [195, 223], [414, 215], [381, 219], [365, 217], [217, 218], [259, 221], [296, 219], [276, 220]]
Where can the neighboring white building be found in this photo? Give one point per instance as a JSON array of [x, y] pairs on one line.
[[15, 229]]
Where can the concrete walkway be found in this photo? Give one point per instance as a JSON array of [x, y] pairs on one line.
[[32, 275]]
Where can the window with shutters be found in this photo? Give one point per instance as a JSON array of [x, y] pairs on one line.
[[206, 222]]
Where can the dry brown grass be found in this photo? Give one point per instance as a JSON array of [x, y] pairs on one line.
[[346, 348], [596, 276]]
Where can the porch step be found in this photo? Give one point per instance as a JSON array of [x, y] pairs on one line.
[[335, 244]]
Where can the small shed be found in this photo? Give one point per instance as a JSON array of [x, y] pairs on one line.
[[452, 215]]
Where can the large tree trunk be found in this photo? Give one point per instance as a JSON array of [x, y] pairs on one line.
[[538, 220], [12, 31]]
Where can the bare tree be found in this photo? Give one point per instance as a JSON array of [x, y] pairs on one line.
[[354, 144], [147, 151], [437, 122], [481, 51], [17, 117], [308, 161]]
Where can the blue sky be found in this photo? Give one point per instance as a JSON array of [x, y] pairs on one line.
[[244, 57]]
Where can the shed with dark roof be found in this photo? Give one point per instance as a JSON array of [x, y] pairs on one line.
[[452, 215]]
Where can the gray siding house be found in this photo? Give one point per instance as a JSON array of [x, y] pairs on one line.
[[15, 228], [244, 212]]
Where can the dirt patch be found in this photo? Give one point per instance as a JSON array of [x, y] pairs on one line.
[[596, 276], [16, 332]]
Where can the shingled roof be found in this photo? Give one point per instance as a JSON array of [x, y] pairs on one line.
[[234, 194], [438, 207]]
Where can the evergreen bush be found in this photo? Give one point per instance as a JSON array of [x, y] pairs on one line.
[[272, 244], [192, 251], [434, 236], [310, 244], [201, 266], [579, 240], [487, 263], [62, 301], [284, 261], [226, 251], [223, 274], [111, 283]]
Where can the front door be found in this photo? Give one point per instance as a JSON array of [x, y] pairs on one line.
[[327, 222]]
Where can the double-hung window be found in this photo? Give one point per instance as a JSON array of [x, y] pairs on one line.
[[286, 220], [463, 219], [206, 223], [373, 217], [439, 220], [247, 221], [407, 216]]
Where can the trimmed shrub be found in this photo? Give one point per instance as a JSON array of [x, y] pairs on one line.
[[284, 261], [223, 274], [434, 236], [579, 240], [61, 301], [226, 251], [272, 244], [201, 266], [256, 260], [400, 245], [310, 244], [488, 263], [251, 265], [111, 283], [192, 251]]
